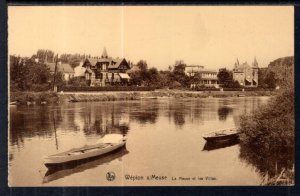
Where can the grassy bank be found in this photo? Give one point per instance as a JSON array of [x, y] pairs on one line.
[[114, 96], [50, 97], [34, 97]]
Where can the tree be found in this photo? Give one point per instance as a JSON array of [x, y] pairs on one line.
[[18, 71], [153, 77], [270, 80], [72, 59], [179, 75], [262, 73], [179, 68], [135, 78], [45, 55], [196, 78], [26, 74], [142, 65], [225, 78]]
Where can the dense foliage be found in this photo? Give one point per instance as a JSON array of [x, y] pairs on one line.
[[268, 135], [271, 126], [225, 78], [174, 77], [26, 74], [277, 73]]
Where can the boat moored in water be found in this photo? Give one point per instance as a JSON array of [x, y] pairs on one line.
[[105, 145], [222, 135]]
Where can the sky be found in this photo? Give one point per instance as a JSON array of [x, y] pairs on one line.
[[212, 36]]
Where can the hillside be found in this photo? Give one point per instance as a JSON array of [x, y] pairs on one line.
[[283, 69]]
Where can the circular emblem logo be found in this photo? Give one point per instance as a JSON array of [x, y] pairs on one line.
[[110, 176]]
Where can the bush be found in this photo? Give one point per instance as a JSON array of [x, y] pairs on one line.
[[272, 125], [268, 135], [40, 87]]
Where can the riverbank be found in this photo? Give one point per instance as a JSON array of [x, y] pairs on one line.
[[30, 98], [51, 97], [112, 96]]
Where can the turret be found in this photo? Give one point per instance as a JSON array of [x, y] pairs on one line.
[[255, 63], [236, 64], [104, 53]]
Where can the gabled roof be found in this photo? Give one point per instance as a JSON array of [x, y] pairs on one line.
[[117, 63], [92, 61], [241, 67], [112, 63]]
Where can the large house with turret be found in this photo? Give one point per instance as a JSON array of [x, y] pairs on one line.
[[245, 74], [106, 71]]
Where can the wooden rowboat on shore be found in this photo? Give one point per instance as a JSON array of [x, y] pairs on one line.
[[105, 145]]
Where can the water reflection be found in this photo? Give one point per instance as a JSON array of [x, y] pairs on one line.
[[223, 112], [54, 173], [144, 112], [46, 122], [218, 145], [151, 127], [267, 163]]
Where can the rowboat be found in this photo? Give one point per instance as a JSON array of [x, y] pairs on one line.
[[222, 135], [63, 170], [209, 146], [103, 146]]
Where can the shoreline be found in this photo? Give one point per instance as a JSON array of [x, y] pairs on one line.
[[43, 98]]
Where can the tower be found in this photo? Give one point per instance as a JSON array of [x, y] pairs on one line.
[[255, 64], [104, 53], [236, 64]]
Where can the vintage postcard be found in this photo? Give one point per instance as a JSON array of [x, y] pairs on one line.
[[151, 96]]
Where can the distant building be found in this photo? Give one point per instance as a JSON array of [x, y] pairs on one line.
[[79, 70], [65, 68], [106, 71], [190, 70], [208, 77], [245, 74]]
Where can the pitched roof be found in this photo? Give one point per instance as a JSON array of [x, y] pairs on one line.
[[241, 67], [92, 61], [115, 63], [112, 63]]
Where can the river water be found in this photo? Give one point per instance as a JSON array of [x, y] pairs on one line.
[[163, 139]]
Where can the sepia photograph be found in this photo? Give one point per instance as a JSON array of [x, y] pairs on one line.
[[125, 95]]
